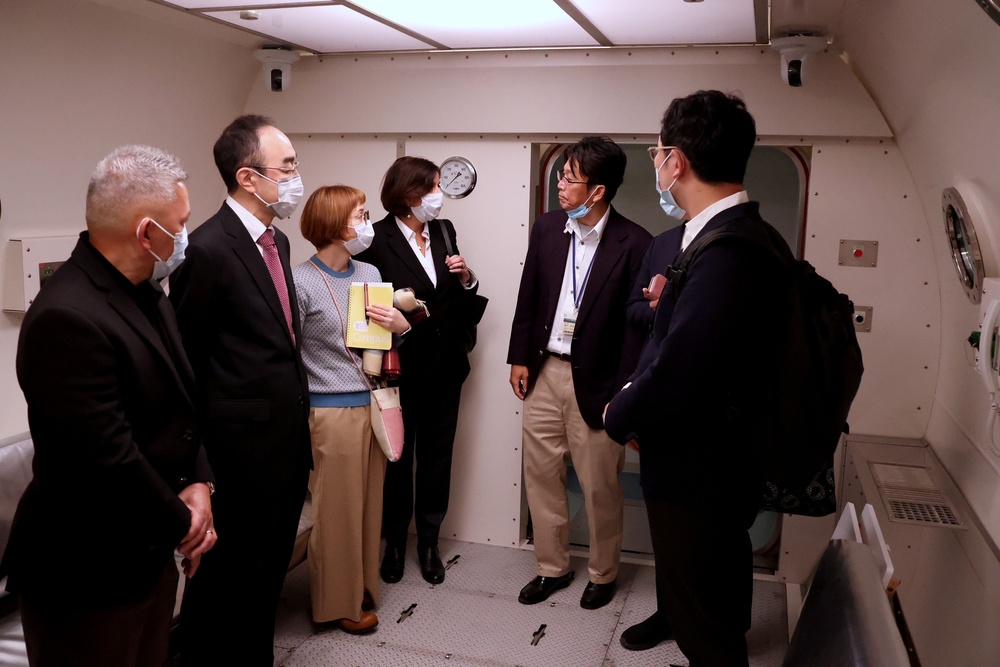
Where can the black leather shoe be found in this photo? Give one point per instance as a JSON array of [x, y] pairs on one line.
[[540, 588], [596, 596], [430, 565], [392, 564], [646, 635]]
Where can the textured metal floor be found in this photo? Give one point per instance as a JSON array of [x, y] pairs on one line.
[[474, 619]]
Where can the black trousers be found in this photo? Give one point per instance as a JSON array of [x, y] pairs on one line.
[[430, 417], [129, 635], [704, 580], [229, 607]]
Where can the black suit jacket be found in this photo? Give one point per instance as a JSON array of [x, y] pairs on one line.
[[113, 424], [604, 349], [704, 377], [252, 389], [436, 347], [660, 253]]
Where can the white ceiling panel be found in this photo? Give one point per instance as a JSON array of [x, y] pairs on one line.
[[356, 26], [633, 22], [325, 29], [223, 4], [479, 24]]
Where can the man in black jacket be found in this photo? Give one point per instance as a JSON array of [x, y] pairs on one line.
[[120, 476], [700, 388], [239, 319]]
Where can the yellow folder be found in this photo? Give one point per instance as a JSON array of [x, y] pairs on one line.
[[361, 332]]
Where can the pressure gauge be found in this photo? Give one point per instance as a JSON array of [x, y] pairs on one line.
[[458, 177]]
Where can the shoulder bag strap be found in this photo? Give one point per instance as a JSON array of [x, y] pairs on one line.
[[447, 239]]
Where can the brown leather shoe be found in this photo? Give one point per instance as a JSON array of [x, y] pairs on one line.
[[367, 623], [367, 603]]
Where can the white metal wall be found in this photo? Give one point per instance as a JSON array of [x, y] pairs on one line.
[[863, 191]]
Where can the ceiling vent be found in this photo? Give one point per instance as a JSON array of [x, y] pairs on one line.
[[910, 495]]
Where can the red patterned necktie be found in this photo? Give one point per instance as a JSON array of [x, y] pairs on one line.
[[266, 242]]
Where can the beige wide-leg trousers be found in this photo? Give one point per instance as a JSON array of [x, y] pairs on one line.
[[346, 487]]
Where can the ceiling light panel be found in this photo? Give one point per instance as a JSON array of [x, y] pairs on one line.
[[482, 24], [243, 4], [324, 29], [636, 22]]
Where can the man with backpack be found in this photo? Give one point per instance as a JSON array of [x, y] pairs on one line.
[[699, 401]]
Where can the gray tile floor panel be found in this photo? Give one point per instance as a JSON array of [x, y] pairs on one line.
[[474, 619]]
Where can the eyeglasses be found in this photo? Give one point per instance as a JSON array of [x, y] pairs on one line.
[[362, 217], [287, 171], [561, 175], [655, 150]]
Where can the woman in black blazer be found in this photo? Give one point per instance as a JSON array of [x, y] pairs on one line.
[[410, 250]]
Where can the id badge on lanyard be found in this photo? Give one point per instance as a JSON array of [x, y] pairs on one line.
[[569, 322]]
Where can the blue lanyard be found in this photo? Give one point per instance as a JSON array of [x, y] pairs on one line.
[[578, 295]]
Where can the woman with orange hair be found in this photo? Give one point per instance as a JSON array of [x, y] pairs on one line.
[[346, 483]]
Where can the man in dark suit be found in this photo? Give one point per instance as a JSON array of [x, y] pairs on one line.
[[238, 316], [642, 303], [120, 476], [696, 398], [570, 350]]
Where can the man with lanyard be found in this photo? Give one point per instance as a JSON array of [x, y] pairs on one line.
[[570, 349]]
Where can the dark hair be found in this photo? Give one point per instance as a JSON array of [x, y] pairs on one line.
[[327, 214], [601, 161], [239, 146], [408, 177], [714, 131]]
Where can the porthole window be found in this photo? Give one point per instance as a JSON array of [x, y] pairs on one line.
[[964, 243]]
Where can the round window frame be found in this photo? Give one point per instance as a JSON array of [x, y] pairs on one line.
[[964, 243]]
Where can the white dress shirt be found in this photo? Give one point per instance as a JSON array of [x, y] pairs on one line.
[[426, 260], [582, 248], [698, 222], [255, 227]]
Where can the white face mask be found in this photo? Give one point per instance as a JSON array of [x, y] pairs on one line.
[[164, 268], [289, 193], [430, 206], [362, 239]]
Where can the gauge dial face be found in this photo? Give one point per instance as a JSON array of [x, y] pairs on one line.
[[458, 177]]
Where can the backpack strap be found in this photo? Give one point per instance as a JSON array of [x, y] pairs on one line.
[[676, 272]]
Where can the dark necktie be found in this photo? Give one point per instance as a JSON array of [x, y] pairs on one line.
[[266, 242]]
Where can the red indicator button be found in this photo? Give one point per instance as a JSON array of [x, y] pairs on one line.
[[858, 252]]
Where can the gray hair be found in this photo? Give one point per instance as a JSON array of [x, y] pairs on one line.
[[129, 178]]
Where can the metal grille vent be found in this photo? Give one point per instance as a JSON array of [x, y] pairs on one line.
[[911, 496]]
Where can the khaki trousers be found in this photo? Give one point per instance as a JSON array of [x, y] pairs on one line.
[[554, 432], [346, 487]]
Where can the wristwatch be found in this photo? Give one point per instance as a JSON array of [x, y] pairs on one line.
[[184, 483]]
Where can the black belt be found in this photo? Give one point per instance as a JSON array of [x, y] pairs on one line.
[[564, 357]]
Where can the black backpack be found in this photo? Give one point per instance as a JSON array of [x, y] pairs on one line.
[[820, 373]]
